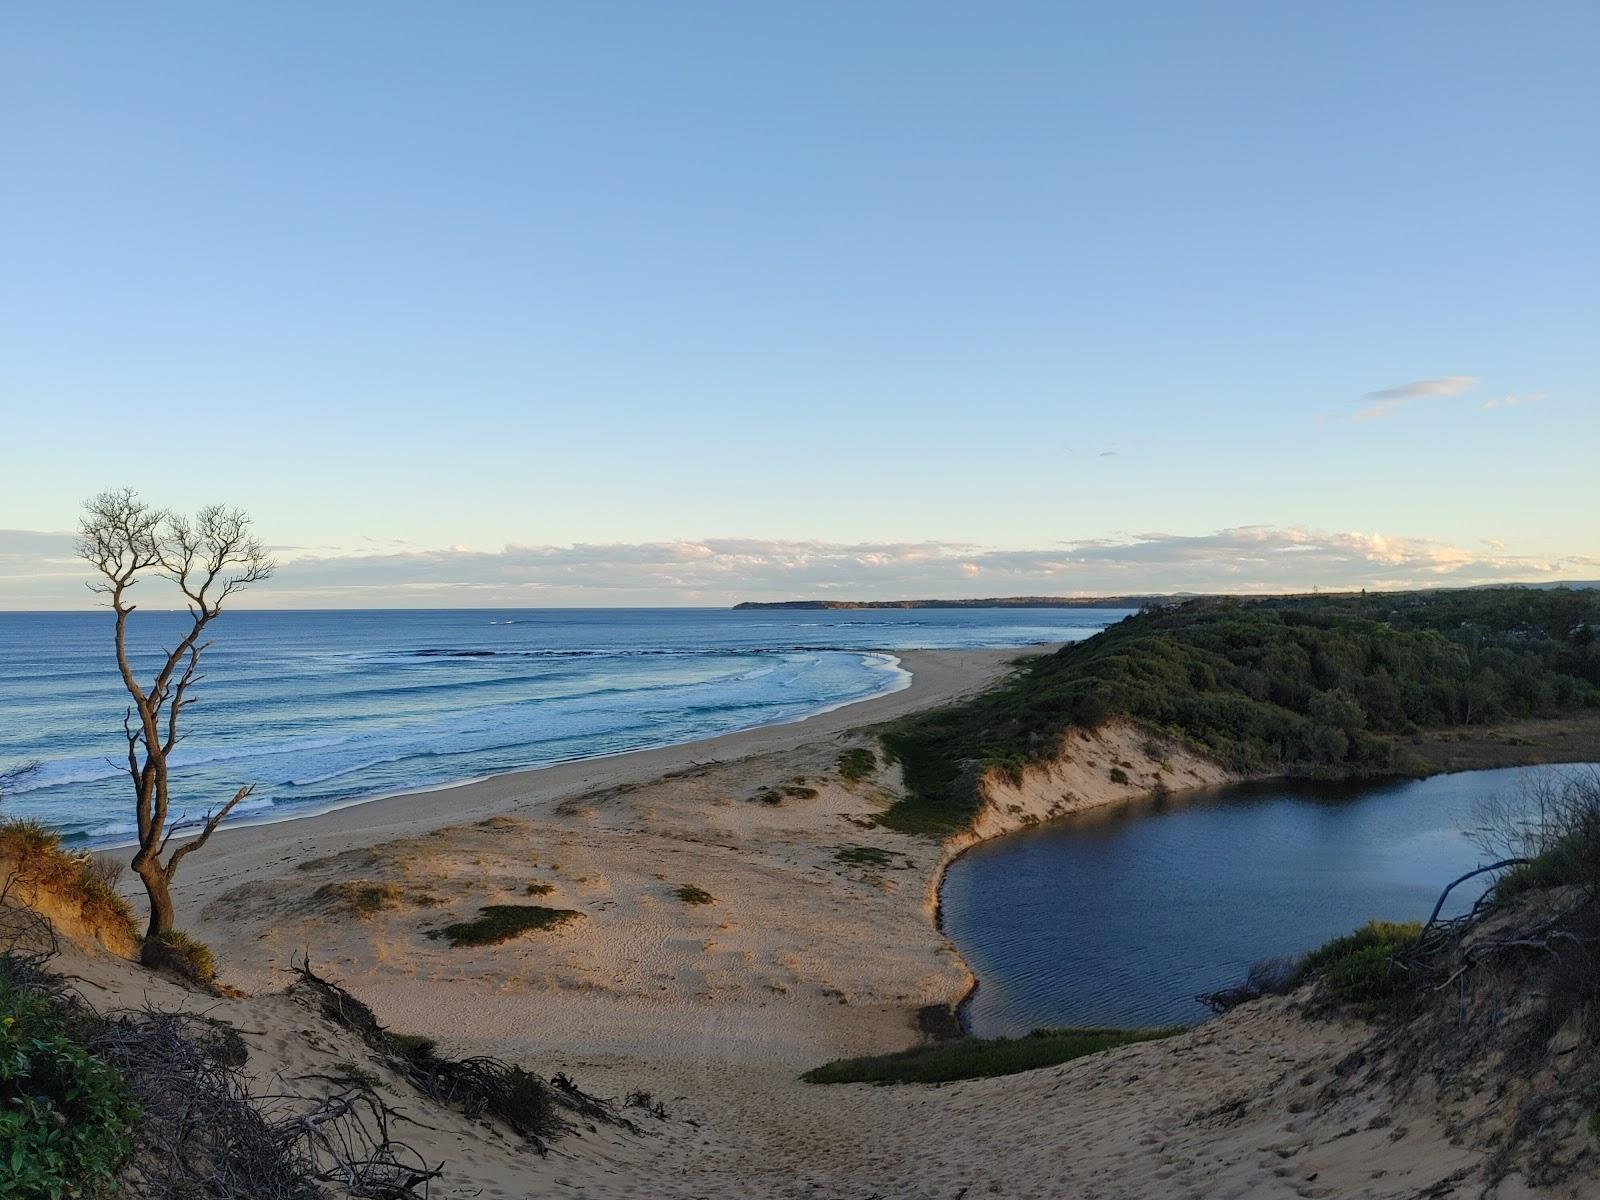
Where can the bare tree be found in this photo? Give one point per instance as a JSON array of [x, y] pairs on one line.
[[209, 556]]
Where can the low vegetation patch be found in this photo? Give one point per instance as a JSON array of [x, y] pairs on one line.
[[66, 1117], [1560, 845], [32, 857], [496, 923], [1307, 685], [857, 764], [690, 894], [863, 856], [188, 958], [539, 889], [357, 897], [1358, 970], [980, 1058], [787, 791]]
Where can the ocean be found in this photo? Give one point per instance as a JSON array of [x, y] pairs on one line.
[[319, 709]]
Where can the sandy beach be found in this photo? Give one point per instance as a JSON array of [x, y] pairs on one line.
[[802, 956]]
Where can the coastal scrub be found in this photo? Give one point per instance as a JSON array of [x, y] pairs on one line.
[[496, 923]]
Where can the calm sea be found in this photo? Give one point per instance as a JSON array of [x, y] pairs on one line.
[[321, 708]]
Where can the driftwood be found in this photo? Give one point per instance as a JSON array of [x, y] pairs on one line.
[[479, 1086]]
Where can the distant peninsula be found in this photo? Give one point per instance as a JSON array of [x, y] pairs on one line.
[[992, 602]]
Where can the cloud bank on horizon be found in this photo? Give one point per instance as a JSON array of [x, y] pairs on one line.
[[38, 570]]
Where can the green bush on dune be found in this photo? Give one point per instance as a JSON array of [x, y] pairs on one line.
[[496, 923], [65, 1116], [1357, 970]]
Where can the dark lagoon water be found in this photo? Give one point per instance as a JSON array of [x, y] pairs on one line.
[[324, 708], [1119, 916]]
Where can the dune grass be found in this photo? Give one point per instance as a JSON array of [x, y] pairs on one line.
[[496, 923], [981, 1058], [35, 858], [857, 764], [690, 894], [863, 856]]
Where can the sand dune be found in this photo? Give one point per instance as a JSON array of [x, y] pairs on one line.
[[807, 953]]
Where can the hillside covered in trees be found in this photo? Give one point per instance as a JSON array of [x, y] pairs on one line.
[[1306, 685]]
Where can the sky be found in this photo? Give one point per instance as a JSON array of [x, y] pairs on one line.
[[538, 304]]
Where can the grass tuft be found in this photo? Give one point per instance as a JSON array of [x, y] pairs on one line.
[[863, 856], [981, 1058], [187, 957], [39, 860], [496, 923], [690, 894], [857, 764]]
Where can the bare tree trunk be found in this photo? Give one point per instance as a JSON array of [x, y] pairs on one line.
[[163, 917]]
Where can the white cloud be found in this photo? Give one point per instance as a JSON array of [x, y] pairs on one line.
[[38, 570], [1387, 401], [1512, 401]]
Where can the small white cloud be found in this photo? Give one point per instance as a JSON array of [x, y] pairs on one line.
[[1513, 401], [1385, 402]]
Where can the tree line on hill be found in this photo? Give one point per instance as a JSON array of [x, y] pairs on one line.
[[1288, 686]]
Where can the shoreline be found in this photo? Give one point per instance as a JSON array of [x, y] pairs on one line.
[[935, 677], [901, 681]]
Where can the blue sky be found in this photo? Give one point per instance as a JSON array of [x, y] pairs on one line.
[[638, 303]]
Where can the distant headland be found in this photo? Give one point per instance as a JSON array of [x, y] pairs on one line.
[[992, 602]]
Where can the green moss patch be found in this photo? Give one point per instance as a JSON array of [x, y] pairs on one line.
[[496, 923]]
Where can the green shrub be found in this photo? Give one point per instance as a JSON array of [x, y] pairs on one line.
[[412, 1045], [980, 1058], [1357, 970], [1117, 775], [65, 1116], [1563, 844], [187, 957], [540, 889], [690, 894], [1009, 767], [496, 923], [1553, 868], [857, 764]]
